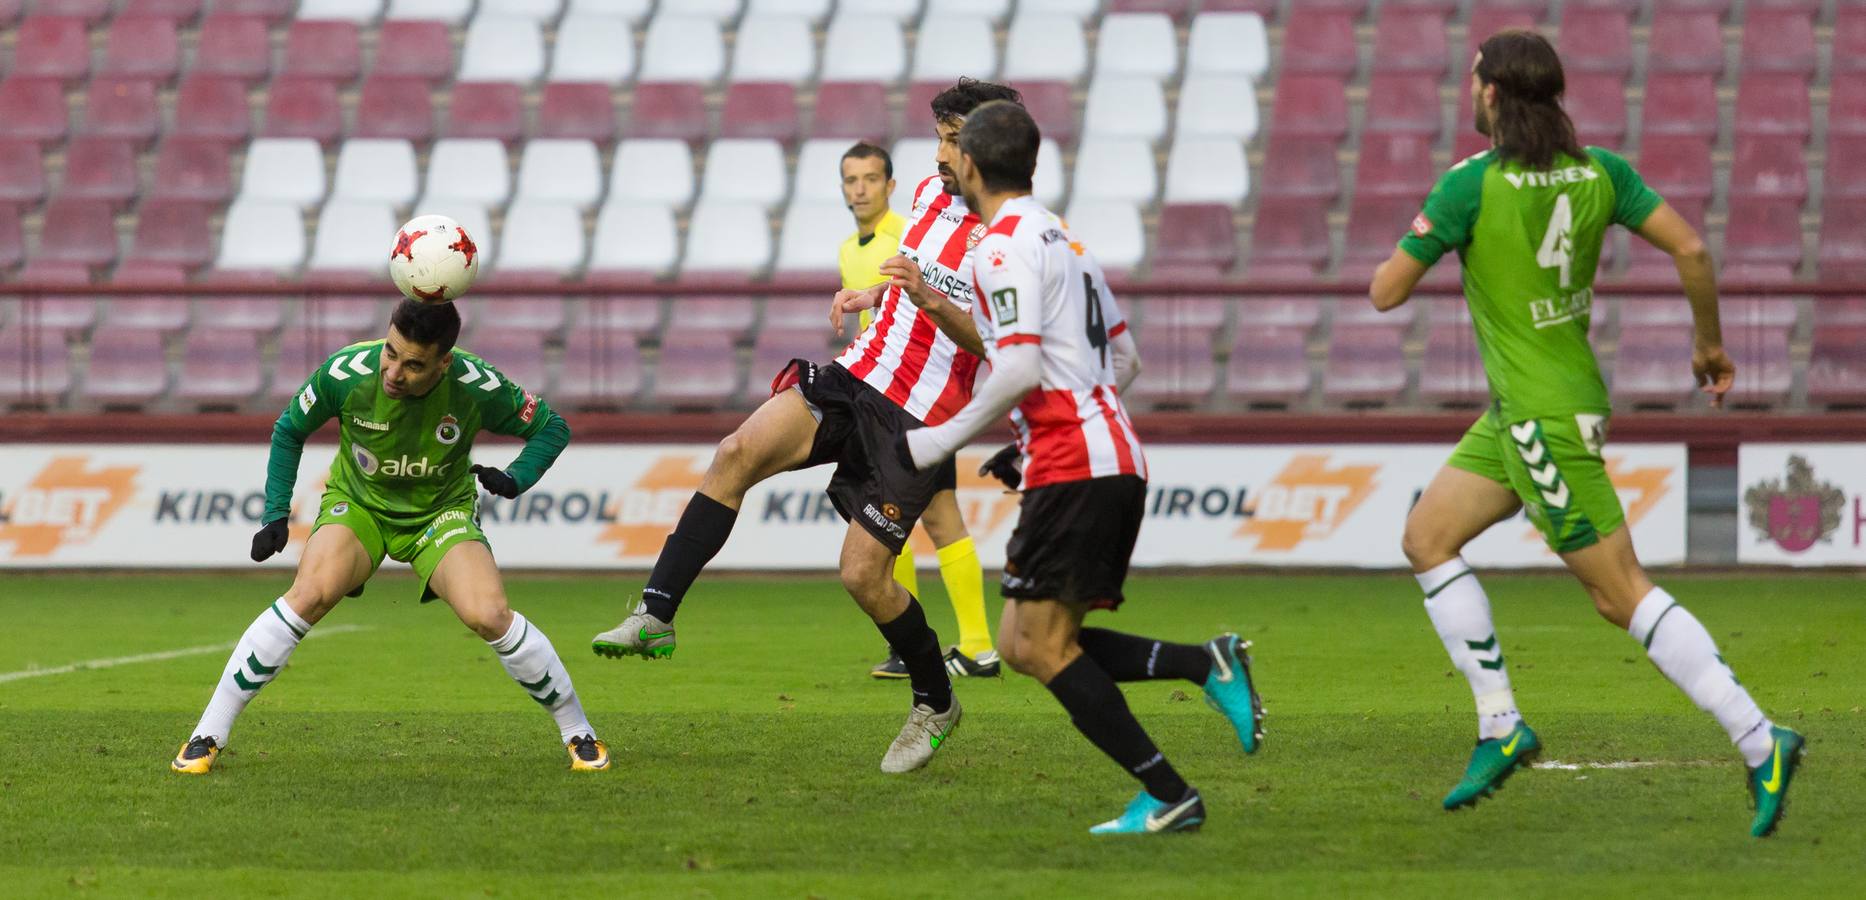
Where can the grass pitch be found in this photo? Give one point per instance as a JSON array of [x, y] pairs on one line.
[[398, 759]]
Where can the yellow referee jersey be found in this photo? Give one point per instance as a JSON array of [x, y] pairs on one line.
[[861, 261]]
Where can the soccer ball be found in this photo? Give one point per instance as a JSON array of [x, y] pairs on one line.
[[433, 260]]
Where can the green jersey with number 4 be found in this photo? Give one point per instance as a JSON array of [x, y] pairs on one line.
[[1529, 241]]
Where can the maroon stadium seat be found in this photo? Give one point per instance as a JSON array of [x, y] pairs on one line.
[[578, 111], [173, 232], [1265, 8], [323, 49], [487, 109], [796, 314], [1718, 8], [731, 317], [263, 314], [1837, 366], [1773, 104], [1451, 373], [1404, 103], [22, 176], [1647, 261], [1301, 167], [698, 369], [395, 108], [89, 11], [128, 367], [51, 368], [602, 367], [760, 110], [1395, 165], [543, 313], [142, 47], [1269, 365], [1842, 253], [1770, 167], [1597, 104], [178, 10], [33, 109], [1050, 103], [1846, 105], [273, 11], [1375, 225], [1761, 354], [192, 169], [772, 350], [56, 47], [1366, 365], [1310, 106], [414, 49], [1685, 42], [1195, 236], [1290, 238], [1598, 41], [220, 367], [1830, 312], [675, 110], [1679, 168], [207, 106], [1681, 105], [518, 352], [78, 232], [1179, 371], [916, 120], [300, 351], [299, 107], [100, 169], [1441, 7], [1488, 19], [1845, 175], [1763, 238], [1410, 41], [856, 110], [12, 237], [121, 108], [1849, 38], [232, 47], [341, 313], [1319, 42], [165, 312], [1181, 313], [1778, 41], [1652, 366]]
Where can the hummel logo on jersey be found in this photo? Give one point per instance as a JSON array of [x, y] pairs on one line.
[[361, 422]]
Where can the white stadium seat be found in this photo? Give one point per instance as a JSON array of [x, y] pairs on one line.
[[630, 11], [682, 48], [502, 48], [863, 48], [340, 10], [949, 46], [261, 235], [635, 237], [813, 10], [473, 220], [542, 237], [535, 10], [901, 11], [1207, 170], [378, 169], [1110, 229], [474, 170], [773, 48], [995, 10], [353, 236], [1217, 106], [1124, 106], [818, 177], [727, 237], [1223, 43], [453, 12], [1142, 44], [283, 170], [741, 170], [1078, 10], [557, 170], [716, 10], [812, 233], [1115, 169], [1043, 47], [653, 170], [1047, 185], [593, 48], [913, 161]]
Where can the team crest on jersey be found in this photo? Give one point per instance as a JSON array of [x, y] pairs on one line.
[[448, 432], [364, 459], [978, 234], [307, 399], [1421, 225]]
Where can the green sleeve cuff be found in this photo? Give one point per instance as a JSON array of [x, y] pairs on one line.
[[288, 447], [541, 450]]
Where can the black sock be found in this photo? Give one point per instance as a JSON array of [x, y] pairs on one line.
[[1127, 657], [911, 638], [703, 528], [1099, 710]]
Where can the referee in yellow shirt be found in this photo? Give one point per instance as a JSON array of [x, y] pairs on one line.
[[867, 183]]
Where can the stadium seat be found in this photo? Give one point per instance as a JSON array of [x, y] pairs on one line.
[[1487, 19], [670, 110], [1319, 42], [1774, 105], [472, 218], [727, 237], [1762, 240], [1115, 169], [811, 234], [51, 47], [817, 175], [486, 109], [1375, 223], [772, 350], [121, 108], [1268, 366], [1215, 106], [744, 171], [1395, 165], [854, 111], [1846, 105], [398, 108], [303, 108], [90, 12], [534, 316], [682, 48], [1597, 41], [100, 169], [796, 313], [1078, 10], [12, 237], [774, 48], [502, 48], [377, 170], [631, 11], [541, 236], [994, 10], [913, 161], [1652, 366], [1837, 366], [1778, 41], [1849, 42], [1770, 168], [1048, 184], [1450, 372], [1142, 45], [270, 11], [283, 170], [602, 368], [79, 232], [1051, 104], [916, 122], [950, 46], [180, 11], [141, 47], [652, 171], [192, 169], [1762, 355], [1410, 42], [760, 110], [1290, 238], [560, 171], [219, 367], [451, 12], [421, 50], [1302, 313], [210, 107], [232, 47], [1195, 237], [729, 316], [360, 12], [352, 236], [1111, 229], [1366, 365], [1124, 106], [323, 49], [33, 109], [1597, 104], [518, 352], [862, 47], [1311, 106], [1227, 44], [1681, 105], [1403, 103], [593, 48], [22, 176], [811, 11], [1179, 371], [539, 11], [1842, 253], [1844, 177], [1044, 47], [577, 110], [641, 315], [1685, 42], [128, 367], [1208, 170], [1679, 168], [1645, 260], [51, 369]]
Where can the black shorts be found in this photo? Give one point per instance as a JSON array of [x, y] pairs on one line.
[[858, 429], [1073, 541]]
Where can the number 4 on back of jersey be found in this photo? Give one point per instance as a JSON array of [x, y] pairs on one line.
[[1558, 241]]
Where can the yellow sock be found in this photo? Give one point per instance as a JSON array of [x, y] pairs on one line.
[[904, 571], [965, 585]]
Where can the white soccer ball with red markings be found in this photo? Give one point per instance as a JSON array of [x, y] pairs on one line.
[[434, 260]]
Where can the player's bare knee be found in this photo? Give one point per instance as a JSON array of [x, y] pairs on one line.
[[1423, 548], [490, 621], [313, 599]]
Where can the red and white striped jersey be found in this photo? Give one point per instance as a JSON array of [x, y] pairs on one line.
[[1036, 284], [902, 353]]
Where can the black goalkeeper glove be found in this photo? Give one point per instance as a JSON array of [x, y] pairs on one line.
[[1006, 466], [496, 482], [271, 539]]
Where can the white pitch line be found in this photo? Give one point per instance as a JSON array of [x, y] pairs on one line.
[[156, 657], [1625, 764]]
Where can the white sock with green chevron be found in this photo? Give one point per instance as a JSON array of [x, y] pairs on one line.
[[256, 660], [1461, 614], [1678, 644], [532, 662]]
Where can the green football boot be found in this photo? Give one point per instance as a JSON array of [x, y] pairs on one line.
[[1492, 762], [1768, 783]]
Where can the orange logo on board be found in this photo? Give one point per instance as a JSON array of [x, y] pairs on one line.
[[651, 506], [66, 502], [1306, 500]]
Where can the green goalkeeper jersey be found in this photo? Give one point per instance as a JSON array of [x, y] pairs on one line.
[[404, 459], [1529, 241]]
